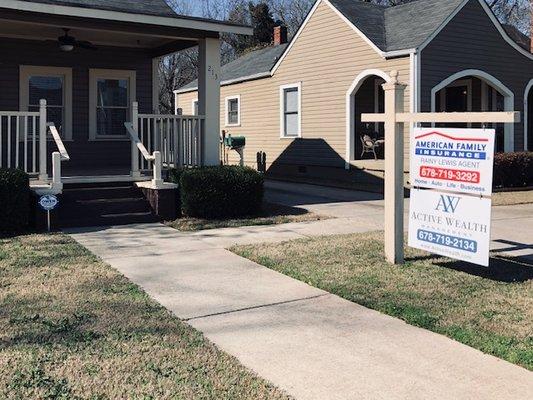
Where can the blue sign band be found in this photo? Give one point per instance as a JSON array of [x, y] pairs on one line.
[[469, 155], [447, 240]]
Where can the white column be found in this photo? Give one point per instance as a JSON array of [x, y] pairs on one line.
[[394, 167], [43, 131], [134, 150], [209, 98]]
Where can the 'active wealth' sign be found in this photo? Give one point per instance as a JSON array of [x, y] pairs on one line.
[[451, 172], [451, 225], [458, 160]]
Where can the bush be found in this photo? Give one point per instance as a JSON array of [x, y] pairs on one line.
[[14, 200], [513, 169], [221, 192]]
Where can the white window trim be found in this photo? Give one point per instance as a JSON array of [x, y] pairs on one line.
[[226, 102], [66, 73], [193, 101], [282, 89], [94, 75]]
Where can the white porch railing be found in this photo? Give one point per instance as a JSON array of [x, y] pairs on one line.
[[23, 145], [178, 138], [19, 135], [152, 159], [57, 158]]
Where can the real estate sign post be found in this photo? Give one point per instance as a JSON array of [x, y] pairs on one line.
[[473, 175]]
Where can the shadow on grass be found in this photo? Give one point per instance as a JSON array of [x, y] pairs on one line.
[[500, 269]]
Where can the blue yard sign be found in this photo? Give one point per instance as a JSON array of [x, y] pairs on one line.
[[48, 202]]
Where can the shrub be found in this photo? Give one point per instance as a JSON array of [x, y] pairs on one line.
[[513, 169], [221, 192], [14, 200]]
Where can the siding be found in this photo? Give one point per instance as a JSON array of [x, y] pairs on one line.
[[326, 58], [84, 154], [471, 41]]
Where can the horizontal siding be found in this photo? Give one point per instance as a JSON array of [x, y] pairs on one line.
[[471, 41], [84, 153], [326, 58]]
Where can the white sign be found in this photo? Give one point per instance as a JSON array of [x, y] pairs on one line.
[[48, 202], [457, 160], [451, 225]]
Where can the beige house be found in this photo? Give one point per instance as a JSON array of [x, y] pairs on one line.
[[300, 103]]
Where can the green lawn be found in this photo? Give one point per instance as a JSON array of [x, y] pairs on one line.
[[73, 328], [489, 309], [271, 214]]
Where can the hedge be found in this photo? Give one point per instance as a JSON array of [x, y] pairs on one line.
[[221, 192], [513, 170], [14, 200]]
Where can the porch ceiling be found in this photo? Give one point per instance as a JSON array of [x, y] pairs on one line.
[[157, 39]]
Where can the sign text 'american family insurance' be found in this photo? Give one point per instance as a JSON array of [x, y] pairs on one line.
[[452, 218]]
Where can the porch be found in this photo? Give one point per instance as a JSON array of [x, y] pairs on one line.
[[80, 94]]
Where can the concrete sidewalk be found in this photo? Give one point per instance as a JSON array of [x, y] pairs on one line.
[[308, 342]]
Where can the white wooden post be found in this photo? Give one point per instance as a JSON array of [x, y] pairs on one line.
[[209, 99], [157, 181], [394, 167], [134, 150], [43, 174], [56, 171]]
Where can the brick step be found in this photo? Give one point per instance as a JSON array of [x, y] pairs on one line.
[[103, 205], [94, 193]]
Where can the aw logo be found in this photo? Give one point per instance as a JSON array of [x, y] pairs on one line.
[[448, 204]]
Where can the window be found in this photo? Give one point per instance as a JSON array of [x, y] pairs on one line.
[[53, 85], [233, 111], [290, 110], [195, 107], [111, 95]]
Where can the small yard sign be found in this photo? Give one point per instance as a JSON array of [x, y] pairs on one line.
[[451, 225], [48, 202], [458, 160], [451, 216]]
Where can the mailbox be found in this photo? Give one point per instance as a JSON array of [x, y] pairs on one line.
[[234, 142]]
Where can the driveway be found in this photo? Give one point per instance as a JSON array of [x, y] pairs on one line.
[[308, 342], [512, 231]]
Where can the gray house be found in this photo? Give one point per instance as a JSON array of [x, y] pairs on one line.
[[79, 92], [301, 102]]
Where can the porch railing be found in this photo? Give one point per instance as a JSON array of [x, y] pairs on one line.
[[23, 144], [153, 159], [178, 138], [57, 157], [19, 135]]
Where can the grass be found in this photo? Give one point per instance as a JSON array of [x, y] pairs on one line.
[[512, 198], [489, 309], [73, 328], [272, 214]]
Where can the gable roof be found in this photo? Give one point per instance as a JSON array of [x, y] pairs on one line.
[[400, 27], [395, 30], [145, 7], [255, 64]]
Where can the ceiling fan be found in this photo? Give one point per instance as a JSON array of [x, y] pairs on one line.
[[68, 43]]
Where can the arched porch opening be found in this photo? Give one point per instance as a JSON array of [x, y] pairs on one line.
[[365, 95], [476, 91]]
